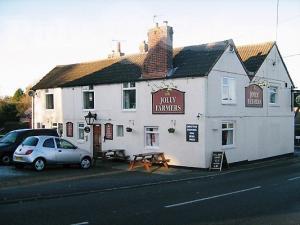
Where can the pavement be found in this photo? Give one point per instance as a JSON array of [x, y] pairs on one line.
[[11, 177]]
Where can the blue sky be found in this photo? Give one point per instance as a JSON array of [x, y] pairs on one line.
[[37, 35]]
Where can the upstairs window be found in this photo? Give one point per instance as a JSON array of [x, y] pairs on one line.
[[88, 97], [228, 90], [129, 95], [49, 101], [273, 95]]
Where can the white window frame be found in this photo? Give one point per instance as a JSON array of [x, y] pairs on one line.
[[228, 129], [87, 89], [272, 87], [46, 105], [151, 132], [129, 88], [80, 128], [118, 131], [231, 85]]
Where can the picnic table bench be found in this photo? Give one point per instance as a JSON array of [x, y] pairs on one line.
[[114, 154], [148, 159]]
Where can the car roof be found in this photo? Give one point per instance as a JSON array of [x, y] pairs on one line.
[[39, 129]]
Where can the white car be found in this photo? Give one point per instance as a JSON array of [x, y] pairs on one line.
[[40, 151]]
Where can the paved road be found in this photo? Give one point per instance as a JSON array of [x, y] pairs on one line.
[[267, 193]]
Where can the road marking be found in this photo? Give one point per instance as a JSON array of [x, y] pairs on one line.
[[294, 178], [212, 197], [82, 223]]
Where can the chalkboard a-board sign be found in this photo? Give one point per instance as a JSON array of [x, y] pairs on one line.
[[218, 160], [191, 132]]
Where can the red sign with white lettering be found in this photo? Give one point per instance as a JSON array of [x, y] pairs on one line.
[[108, 131], [69, 128], [168, 101], [254, 96]]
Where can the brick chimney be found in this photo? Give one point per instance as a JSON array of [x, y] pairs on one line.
[[159, 59]]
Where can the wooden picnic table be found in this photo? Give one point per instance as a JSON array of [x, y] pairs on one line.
[[149, 158]]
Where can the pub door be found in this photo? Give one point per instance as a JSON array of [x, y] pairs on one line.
[[96, 140]]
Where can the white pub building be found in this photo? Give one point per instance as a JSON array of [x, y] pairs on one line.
[[186, 102]]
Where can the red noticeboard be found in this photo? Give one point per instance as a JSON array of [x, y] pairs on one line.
[[69, 128], [108, 131], [168, 101]]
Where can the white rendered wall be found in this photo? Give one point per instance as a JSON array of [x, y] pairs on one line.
[[48, 116], [260, 132], [108, 106]]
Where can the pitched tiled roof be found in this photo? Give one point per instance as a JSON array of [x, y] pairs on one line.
[[187, 61], [65, 73], [254, 55]]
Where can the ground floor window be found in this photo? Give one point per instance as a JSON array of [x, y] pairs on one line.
[[120, 130], [227, 134], [81, 131], [151, 137]]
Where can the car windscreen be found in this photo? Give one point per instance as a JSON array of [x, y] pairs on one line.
[[30, 141], [11, 137]]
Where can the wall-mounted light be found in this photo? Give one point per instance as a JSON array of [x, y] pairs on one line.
[[90, 118], [199, 115]]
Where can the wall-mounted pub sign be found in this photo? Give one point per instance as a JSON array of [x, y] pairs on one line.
[[254, 96], [108, 131], [296, 97], [168, 101]]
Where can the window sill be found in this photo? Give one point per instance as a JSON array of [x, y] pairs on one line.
[[86, 110], [227, 147], [80, 141], [228, 103], [128, 110], [273, 104], [151, 148]]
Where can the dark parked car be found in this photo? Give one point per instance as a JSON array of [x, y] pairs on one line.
[[13, 139]]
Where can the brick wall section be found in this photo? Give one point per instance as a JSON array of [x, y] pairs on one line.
[[159, 58]]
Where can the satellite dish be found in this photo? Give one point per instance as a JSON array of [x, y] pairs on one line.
[[31, 93]]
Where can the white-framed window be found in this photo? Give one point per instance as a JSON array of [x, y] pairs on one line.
[[120, 131], [151, 137], [273, 95], [228, 90], [54, 125], [129, 96], [49, 101], [228, 134], [80, 131], [88, 97]]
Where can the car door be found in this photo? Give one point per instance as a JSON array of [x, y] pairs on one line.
[[49, 151], [66, 152]]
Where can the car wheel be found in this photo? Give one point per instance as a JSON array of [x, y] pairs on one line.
[[86, 163], [39, 164], [5, 160], [19, 166]]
